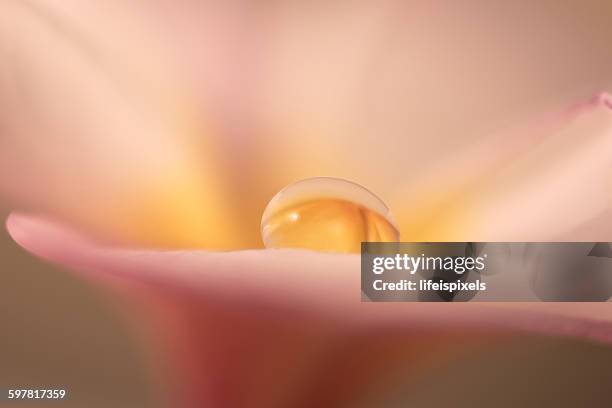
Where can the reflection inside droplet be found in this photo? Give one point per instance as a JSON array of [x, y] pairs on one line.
[[326, 214]]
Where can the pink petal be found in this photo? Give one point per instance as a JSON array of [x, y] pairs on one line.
[[283, 312], [89, 110], [549, 181]]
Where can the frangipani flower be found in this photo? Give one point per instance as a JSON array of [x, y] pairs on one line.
[[106, 130]]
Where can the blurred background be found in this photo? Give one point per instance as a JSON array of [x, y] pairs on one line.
[[461, 68]]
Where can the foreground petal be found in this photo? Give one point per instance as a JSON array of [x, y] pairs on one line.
[[279, 323]]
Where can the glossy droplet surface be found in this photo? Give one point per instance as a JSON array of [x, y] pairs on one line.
[[326, 214]]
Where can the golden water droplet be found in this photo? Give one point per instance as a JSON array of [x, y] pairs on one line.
[[326, 214]]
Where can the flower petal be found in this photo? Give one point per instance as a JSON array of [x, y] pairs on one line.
[[234, 311], [95, 129], [297, 89], [548, 182]]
